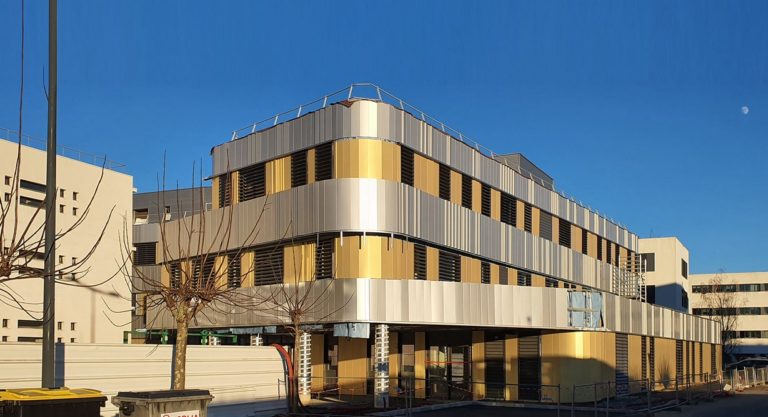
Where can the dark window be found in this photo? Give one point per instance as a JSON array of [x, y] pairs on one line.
[[29, 323], [503, 275], [650, 294], [175, 274], [584, 242], [203, 270], [684, 267], [528, 218], [253, 182], [324, 162], [545, 225], [32, 202], [145, 253], [523, 279], [550, 282], [225, 190], [419, 262], [565, 233], [486, 200], [445, 182], [299, 169], [685, 299], [30, 339], [268, 265], [508, 209], [599, 248], [406, 165], [616, 254], [234, 276], [324, 258], [608, 251], [33, 186], [485, 273], [450, 267], [649, 260], [679, 360], [466, 191]]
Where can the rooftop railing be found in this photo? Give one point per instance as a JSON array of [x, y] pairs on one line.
[[370, 91], [65, 151]]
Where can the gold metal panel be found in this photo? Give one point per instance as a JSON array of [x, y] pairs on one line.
[[477, 196], [520, 222], [511, 275], [366, 158], [433, 264], [353, 361], [299, 263], [455, 187], [536, 221], [576, 238], [373, 257], [537, 281], [220, 268], [235, 189], [635, 360], [591, 244], [215, 184], [165, 277], [311, 166], [478, 364], [278, 175], [426, 176], [420, 368], [495, 273], [510, 367], [470, 269], [495, 204], [318, 366], [555, 229], [246, 264]]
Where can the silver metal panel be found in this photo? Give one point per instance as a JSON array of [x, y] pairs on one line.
[[146, 233]]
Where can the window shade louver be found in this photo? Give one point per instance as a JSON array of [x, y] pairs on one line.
[[299, 169], [406, 165], [268, 265], [324, 162], [252, 182], [419, 262], [445, 182]]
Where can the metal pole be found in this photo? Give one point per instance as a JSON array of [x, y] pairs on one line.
[[49, 286]]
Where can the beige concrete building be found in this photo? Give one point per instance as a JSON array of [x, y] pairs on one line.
[[750, 292], [666, 261], [84, 315]]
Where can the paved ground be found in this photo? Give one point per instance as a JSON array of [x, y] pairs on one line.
[[753, 402]]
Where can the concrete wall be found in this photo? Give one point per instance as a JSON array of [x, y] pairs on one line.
[[233, 374], [667, 275], [86, 315]]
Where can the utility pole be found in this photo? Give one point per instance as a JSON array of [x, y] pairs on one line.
[[49, 286]]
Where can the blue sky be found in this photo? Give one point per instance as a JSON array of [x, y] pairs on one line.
[[633, 107]]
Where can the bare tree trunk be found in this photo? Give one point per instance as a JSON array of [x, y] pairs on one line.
[[180, 355], [295, 381]]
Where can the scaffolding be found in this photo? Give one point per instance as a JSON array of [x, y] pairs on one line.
[[628, 278]]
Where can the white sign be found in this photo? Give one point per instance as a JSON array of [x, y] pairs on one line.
[[190, 413]]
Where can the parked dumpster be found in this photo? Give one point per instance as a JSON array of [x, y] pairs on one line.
[[45, 402], [171, 403]]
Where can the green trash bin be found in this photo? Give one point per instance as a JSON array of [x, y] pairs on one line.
[[171, 403], [45, 402]]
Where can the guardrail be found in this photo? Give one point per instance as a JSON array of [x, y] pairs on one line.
[[65, 151]]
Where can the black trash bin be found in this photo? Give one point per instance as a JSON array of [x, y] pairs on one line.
[[187, 403], [45, 402]]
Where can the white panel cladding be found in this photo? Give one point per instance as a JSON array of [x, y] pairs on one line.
[[420, 302], [383, 121]]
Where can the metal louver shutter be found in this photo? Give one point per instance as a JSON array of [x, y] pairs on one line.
[[268, 265], [324, 162], [679, 361], [298, 169], [564, 237], [545, 225], [622, 364], [445, 182], [450, 267], [175, 274], [234, 279], [503, 275], [406, 165], [466, 191], [584, 242], [252, 182], [324, 258], [419, 262], [494, 369], [529, 368], [146, 253], [528, 218], [644, 360], [523, 279], [485, 200], [508, 209], [225, 190], [485, 273], [652, 358]]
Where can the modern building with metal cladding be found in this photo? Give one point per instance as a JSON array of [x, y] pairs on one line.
[[442, 263]]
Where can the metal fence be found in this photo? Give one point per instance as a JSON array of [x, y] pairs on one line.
[[65, 151], [600, 398]]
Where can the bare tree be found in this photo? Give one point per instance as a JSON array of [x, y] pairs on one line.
[[299, 299], [203, 273], [722, 304]]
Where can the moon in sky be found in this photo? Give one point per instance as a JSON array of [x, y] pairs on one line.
[[744, 109]]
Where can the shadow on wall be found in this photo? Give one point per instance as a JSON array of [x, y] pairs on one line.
[[669, 295]]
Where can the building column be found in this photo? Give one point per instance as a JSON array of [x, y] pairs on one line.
[[381, 361], [305, 364]]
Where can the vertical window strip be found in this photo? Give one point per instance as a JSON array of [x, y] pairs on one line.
[[523, 279], [486, 200], [324, 162], [445, 182], [252, 183], [234, 277], [419, 262], [564, 237], [466, 191], [584, 241], [225, 190], [268, 265], [449, 266], [324, 258], [528, 221], [545, 225], [406, 165], [508, 209], [485, 272], [299, 168]]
